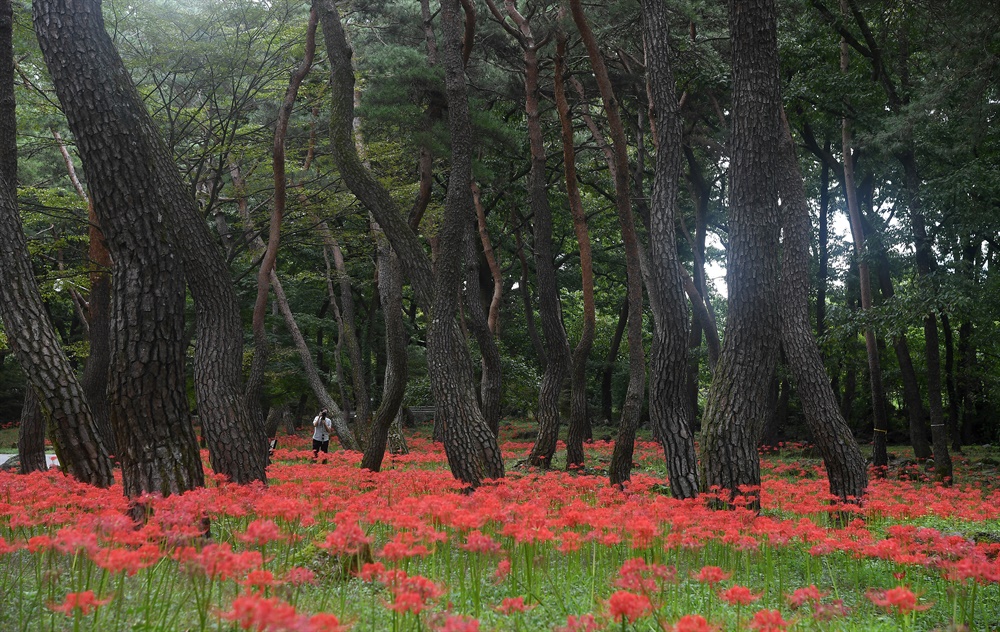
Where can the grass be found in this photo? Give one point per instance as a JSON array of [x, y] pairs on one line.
[[407, 549]]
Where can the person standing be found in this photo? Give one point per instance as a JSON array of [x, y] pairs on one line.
[[321, 435]]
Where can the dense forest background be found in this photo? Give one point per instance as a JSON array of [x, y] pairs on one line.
[[907, 91]]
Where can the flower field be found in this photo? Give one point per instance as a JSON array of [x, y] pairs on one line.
[[331, 547]]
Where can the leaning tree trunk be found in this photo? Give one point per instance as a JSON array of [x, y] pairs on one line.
[[578, 412], [30, 333], [669, 405], [31, 434], [620, 468], [845, 467], [390, 287], [137, 189], [737, 400], [472, 449]]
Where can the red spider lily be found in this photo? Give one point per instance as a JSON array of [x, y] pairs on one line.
[[712, 575], [261, 532], [297, 576], [830, 611], [477, 542], [270, 614], [579, 623], [510, 605], [802, 595], [638, 576], [739, 595], [503, 570], [768, 621], [627, 605], [129, 561], [458, 623], [260, 579], [693, 623], [346, 539], [83, 601], [218, 561], [901, 599], [6, 547], [403, 546]]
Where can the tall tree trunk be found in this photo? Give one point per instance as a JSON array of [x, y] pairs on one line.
[[359, 374], [620, 468], [339, 349], [607, 374], [493, 317], [390, 286], [31, 431], [556, 347], [949, 372], [737, 401], [881, 420], [823, 275], [95, 373], [529, 308], [845, 467], [30, 332], [137, 189], [925, 263], [670, 408], [579, 416], [472, 449], [490, 388], [255, 383]]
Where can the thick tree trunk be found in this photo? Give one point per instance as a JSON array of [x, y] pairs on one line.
[[31, 431], [472, 449], [390, 287], [737, 401], [29, 330], [670, 408], [137, 190], [579, 416], [845, 467], [620, 468]]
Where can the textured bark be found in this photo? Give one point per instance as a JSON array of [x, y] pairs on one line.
[[557, 353], [136, 189], [845, 467], [823, 274], [737, 400], [579, 416], [30, 333], [670, 408], [620, 468], [31, 431], [472, 449], [390, 287], [255, 384], [359, 375]]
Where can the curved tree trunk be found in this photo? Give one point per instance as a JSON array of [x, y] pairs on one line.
[[472, 449], [845, 467], [132, 174], [737, 400], [390, 287], [255, 383], [578, 413], [490, 383], [557, 354], [359, 374], [669, 406], [31, 435]]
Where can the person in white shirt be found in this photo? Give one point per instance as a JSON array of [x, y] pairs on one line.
[[321, 435]]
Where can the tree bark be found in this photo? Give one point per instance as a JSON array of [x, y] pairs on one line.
[[607, 374], [620, 468], [579, 416], [472, 449], [359, 374], [737, 401], [490, 387], [845, 467], [30, 332], [31, 431], [669, 405], [390, 287], [557, 354], [137, 189]]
